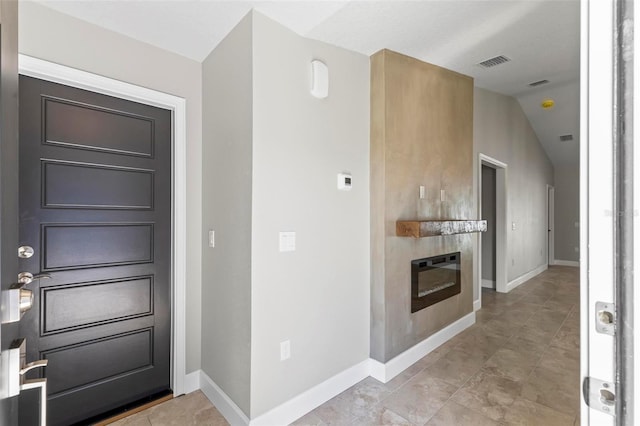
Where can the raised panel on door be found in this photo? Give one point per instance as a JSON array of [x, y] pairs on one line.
[[95, 203]]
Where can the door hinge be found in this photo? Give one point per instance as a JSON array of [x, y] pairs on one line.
[[599, 395], [606, 318]]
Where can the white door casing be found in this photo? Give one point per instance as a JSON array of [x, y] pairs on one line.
[[501, 222]]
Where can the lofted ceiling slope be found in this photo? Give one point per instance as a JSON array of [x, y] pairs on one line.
[[540, 37]]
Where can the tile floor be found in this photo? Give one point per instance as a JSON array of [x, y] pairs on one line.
[[518, 365]]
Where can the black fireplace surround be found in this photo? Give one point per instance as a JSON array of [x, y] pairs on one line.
[[434, 279]]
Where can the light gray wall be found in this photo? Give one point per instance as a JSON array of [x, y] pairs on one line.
[[567, 212], [59, 38], [489, 214], [226, 202], [318, 296], [502, 131]]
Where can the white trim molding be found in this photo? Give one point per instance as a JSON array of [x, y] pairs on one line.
[[192, 381], [390, 369], [566, 263], [221, 401], [477, 305], [526, 277], [56, 73], [300, 405], [501, 223], [307, 401]]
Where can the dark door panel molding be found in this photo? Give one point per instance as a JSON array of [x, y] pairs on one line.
[[101, 225]]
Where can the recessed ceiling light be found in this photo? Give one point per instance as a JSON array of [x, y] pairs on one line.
[[492, 62], [547, 104], [538, 83]]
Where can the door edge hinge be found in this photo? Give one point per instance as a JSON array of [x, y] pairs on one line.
[[606, 318], [599, 395]]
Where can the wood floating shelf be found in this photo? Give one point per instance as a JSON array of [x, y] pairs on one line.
[[434, 228]]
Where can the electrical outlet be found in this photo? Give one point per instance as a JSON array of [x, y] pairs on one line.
[[513, 226], [285, 350], [212, 238]]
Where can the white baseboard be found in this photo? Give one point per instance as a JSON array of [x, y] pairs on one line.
[[523, 278], [566, 263], [192, 381], [488, 283], [385, 372], [297, 407], [477, 304], [307, 401], [222, 402]]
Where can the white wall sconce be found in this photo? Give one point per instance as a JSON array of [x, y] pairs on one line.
[[319, 79]]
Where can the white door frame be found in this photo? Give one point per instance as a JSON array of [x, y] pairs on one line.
[[551, 225], [597, 357], [501, 222], [56, 73]]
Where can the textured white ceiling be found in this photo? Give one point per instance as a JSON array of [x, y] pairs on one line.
[[541, 37]]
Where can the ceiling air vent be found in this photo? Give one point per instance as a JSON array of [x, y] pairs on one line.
[[566, 138], [538, 83], [494, 61]]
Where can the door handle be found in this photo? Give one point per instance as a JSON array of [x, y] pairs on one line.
[[35, 364], [15, 357], [28, 277]]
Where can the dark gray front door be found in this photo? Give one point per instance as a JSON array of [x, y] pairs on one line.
[[8, 187], [95, 204]]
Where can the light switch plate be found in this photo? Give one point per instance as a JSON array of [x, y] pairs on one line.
[[287, 241], [285, 350]]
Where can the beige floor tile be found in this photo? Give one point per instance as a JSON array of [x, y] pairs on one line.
[[525, 346], [483, 343], [537, 299], [536, 335], [310, 419], [524, 412], [489, 395], [331, 414], [560, 391], [567, 338], [455, 414], [139, 419], [560, 360], [456, 367], [381, 416], [420, 398], [511, 364], [361, 398]]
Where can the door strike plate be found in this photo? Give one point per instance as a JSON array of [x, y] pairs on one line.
[[599, 395], [606, 318]]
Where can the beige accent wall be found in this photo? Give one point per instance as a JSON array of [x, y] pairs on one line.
[[421, 134], [55, 37]]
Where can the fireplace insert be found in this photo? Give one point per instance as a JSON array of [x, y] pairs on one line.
[[434, 279]]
